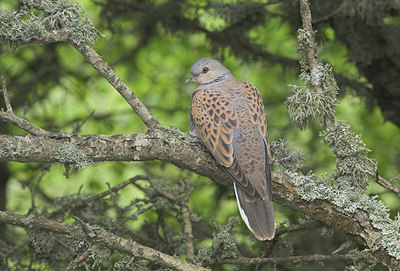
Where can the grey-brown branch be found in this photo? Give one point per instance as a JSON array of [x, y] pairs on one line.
[[103, 238]]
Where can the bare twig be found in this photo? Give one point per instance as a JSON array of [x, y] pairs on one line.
[[5, 94], [268, 252], [299, 227], [343, 246], [388, 185], [35, 187], [78, 261], [63, 35], [23, 124], [78, 127], [183, 202], [311, 49], [106, 71], [10, 117], [187, 225], [283, 230], [293, 259], [133, 216], [47, 38], [326, 17], [103, 238], [84, 202]]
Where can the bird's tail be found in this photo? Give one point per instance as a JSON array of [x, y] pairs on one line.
[[258, 214]]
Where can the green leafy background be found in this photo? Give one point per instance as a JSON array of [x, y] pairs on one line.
[[53, 87]]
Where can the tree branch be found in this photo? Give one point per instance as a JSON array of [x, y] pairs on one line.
[[101, 237], [311, 51], [293, 259], [107, 72], [10, 117], [178, 149], [183, 202], [388, 185], [85, 201]]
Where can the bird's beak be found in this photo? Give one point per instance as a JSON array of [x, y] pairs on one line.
[[190, 79]]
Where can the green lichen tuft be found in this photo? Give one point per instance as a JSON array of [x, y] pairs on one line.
[[351, 199], [68, 153], [23, 26], [306, 105], [359, 263], [354, 166], [223, 245], [391, 236], [286, 157], [99, 255], [126, 263], [41, 241]]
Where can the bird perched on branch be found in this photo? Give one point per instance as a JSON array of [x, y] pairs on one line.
[[228, 116]]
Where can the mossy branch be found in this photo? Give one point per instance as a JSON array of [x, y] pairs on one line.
[[100, 237]]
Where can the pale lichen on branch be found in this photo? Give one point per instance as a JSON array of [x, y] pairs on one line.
[[56, 21], [354, 168]]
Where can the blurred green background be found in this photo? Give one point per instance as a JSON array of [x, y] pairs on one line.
[[53, 87]]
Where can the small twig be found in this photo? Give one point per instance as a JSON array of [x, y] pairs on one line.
[[78, 261], [343, 246], [282, 230], [299, 227], [388, 185], [35, 188], [326, 17], [129, 262], [133, 216], [67, 168], [268, 251], [293, 259], [61, 243], [395, 178], [23, 124], [5, 94], [84, 202], [78, 127], [187, 226], [10, 117], [182, 201]]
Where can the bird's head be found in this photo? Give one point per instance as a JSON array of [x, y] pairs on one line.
[[208, 71]]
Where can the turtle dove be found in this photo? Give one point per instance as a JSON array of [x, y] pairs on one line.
[[228, 116]]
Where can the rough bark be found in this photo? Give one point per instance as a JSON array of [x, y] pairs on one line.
[[102, 237], [169, 146]]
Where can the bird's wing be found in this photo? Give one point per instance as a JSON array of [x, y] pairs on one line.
[[250, 143], [215, 119], [260, 151]]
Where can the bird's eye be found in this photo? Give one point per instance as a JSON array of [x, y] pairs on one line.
[[205, 70]]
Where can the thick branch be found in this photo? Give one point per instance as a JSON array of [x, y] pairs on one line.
[[179, 150], [102, 237], [154, 145]]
